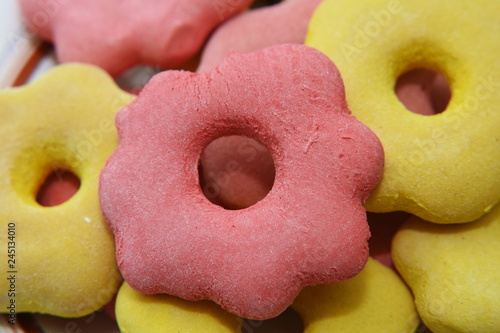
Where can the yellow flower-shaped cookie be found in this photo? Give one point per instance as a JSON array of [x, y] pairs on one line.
[[453, 271], [444, 168], [138, 313], [61, 258], [376, 300]]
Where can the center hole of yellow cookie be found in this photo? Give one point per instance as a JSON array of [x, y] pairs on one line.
[[58, 187], [236, 172], [423, 91]]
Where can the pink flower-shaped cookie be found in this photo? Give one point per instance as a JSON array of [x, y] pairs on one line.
[[118, 34], [285, 22], [310, 228]]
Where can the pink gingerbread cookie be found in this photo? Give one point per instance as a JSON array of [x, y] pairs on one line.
[[117, 35], [285, 22], [310, 228]]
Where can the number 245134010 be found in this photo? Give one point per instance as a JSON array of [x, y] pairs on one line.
[[11, 245]]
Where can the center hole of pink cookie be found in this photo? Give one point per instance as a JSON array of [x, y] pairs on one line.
[[236, 172], [423, 91], [58, 187]]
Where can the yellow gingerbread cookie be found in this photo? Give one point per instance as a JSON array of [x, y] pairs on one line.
[[376, 300], [61, 258], [138, 313], [444, 168], [453, 271]]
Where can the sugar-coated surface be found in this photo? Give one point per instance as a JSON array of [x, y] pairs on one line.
[[311, 228]]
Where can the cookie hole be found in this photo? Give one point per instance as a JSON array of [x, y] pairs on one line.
[[287, 322], [423, 91], [236, 172], [59, 186]]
